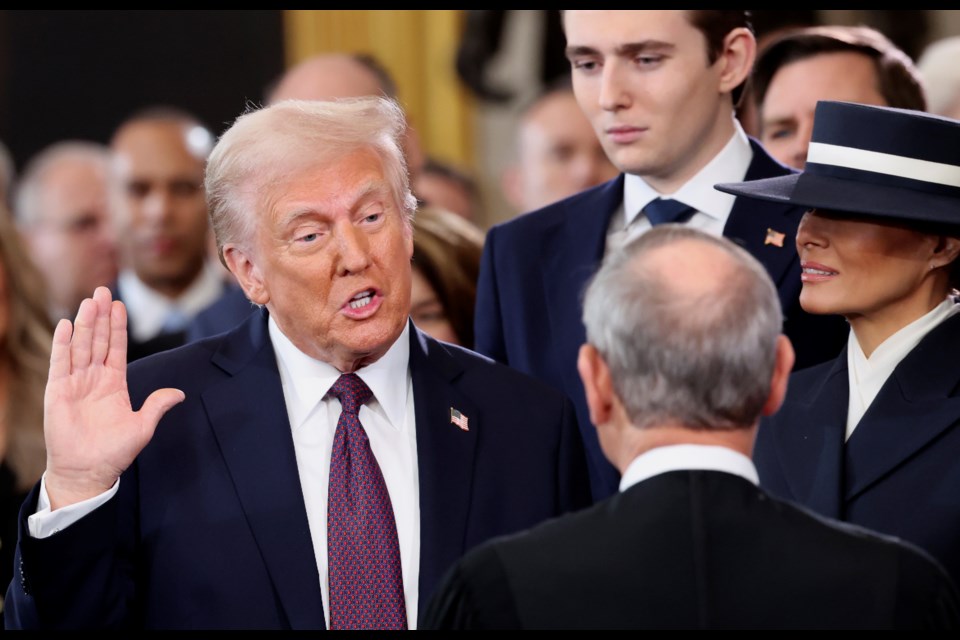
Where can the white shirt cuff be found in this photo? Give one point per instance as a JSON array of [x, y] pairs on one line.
[[44, 523]]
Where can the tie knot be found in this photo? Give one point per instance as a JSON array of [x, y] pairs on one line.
[[666, 210], [351, 391]]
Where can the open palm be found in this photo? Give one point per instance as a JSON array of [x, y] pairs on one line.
[[92, 433]]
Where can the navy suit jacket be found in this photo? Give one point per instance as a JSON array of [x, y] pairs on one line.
[[227, 312], [209, 527], [899, 473], [535, 269]]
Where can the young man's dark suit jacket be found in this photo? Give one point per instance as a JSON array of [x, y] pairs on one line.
[[694, 550], [535, 268], [209, 528], [899, 473]]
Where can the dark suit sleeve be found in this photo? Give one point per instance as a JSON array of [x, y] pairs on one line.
[[475, 594], [927, 597], [79, 578], [488, 324], [574, 481]]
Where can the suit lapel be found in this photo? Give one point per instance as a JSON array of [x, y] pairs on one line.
[[750, 221], [572, 252], [445, 455], [810, 442], [249, 418], [917, 403]]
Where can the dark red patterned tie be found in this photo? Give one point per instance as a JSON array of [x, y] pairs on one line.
[[366, 580]]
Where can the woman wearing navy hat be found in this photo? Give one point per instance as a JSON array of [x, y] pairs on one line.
[[873, 438]]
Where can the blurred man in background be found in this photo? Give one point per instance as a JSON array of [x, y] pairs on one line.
[[62, 212], [850, 64], [558, 153], [161, 215]]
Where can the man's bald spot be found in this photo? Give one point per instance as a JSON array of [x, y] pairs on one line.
[[327, 77], [692, 270]]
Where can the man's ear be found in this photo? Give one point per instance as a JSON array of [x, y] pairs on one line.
[[248, 275], [782, 366], [597, 383], [736, 59]]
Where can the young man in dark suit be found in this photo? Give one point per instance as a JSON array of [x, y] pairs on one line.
[[319, 466], [684, 354], [659, 88]]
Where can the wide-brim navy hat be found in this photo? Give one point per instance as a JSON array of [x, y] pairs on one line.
[[873, 161]]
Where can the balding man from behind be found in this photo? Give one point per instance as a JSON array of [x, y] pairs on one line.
[[684, 353]]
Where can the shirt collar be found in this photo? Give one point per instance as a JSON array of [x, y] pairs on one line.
[[688, 457], [306, 380], [148, 308], [886, 357], [730, 165]]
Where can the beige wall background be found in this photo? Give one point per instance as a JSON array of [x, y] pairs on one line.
[[419, 46]]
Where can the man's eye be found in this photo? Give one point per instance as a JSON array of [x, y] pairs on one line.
[[138, 189]]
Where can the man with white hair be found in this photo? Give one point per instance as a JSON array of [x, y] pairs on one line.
[[325, 76], [684, 354], [319, 466]]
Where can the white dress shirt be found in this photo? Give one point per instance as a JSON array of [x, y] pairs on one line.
[[148, 309], [712, 207], [688, 457], [867, 375], [389, 421]]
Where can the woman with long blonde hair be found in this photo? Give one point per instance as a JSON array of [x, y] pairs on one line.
[[25, 337]]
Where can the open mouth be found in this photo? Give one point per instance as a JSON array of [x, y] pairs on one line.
[[362, 299], [818, 272]]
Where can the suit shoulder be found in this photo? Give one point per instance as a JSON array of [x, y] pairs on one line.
[[802, 381], [764, 165], [859, 539], [497, 376], [564, 535], [187, 365], [539, 220]]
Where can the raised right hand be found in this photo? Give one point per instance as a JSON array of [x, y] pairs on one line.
[[92, 433]]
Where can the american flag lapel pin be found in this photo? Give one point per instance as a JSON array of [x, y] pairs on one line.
[[459, 419], [775, 238]]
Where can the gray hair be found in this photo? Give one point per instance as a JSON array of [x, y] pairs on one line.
[[269, 145], [703, 360], [31, 185]]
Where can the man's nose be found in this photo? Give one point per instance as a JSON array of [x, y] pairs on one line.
[[354, 248]]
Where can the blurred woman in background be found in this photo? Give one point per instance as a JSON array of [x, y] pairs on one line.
[[446, 264], [25, 338]]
